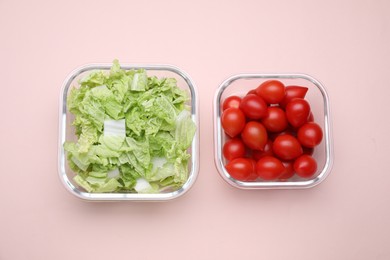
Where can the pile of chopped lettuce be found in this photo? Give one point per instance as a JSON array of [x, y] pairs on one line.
[[133, 132]]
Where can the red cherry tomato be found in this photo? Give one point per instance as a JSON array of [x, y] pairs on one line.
[[253, 176], [275, 120], [310, 134], [293, 92], [272, 91], [310, 118], [297, 112], [305, 166], [269, 168], [232, 101], [252, 91], [253, 106], [254, 135], [240, 168], [257, 154], [288, 171], [233, 121], [287, 147], [233, 148]]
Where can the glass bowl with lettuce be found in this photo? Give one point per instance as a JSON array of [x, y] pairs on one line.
[[128, 132]]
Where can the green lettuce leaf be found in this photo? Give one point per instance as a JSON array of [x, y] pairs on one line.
[[185, 130], [139, 81]]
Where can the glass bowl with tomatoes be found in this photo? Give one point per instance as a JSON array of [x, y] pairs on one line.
[[272, 131]]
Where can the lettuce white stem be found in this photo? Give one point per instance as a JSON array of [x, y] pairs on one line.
[[115, 127], [143, 186]]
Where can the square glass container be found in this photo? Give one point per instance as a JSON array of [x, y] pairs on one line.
[[318, 99], [67, 133]]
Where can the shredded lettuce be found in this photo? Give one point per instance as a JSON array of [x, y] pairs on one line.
[[133, 132]]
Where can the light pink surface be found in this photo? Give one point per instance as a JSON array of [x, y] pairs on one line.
[[344, 44]]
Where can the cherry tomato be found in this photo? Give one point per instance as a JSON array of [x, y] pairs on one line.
[[257, 154], [287, 147], [310, 118], [233, 121], [269, 168], [252, 91], [288, 171], [310, 134], [297, 112], [293, 92], [240, 168], [253, 106], [232, 101], [272, 91], [233, 148], [254, 135], [253, 176], [305, 166], [275, 120]]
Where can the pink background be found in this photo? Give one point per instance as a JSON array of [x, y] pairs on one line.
[[344, 44]]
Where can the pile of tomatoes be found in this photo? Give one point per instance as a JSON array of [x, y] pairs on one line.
[[271, 133]]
